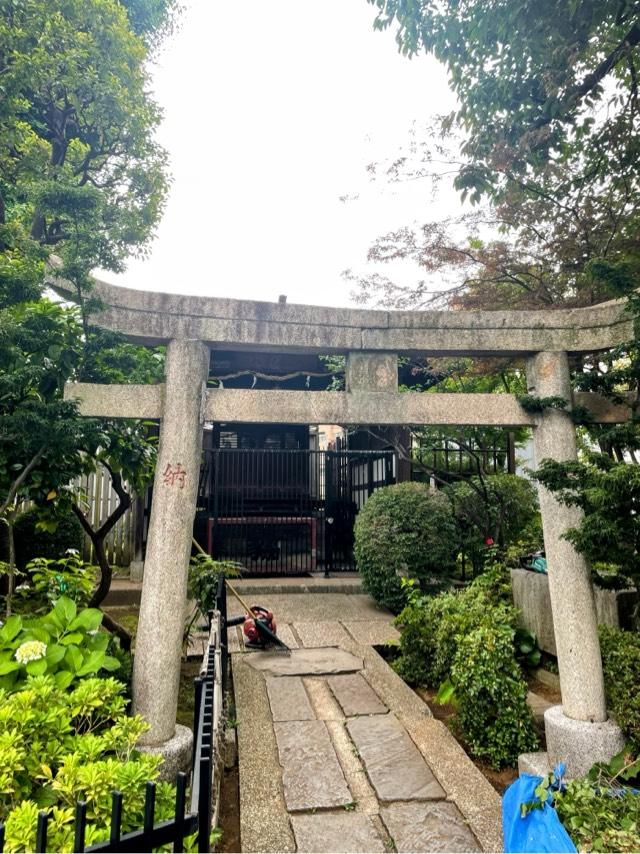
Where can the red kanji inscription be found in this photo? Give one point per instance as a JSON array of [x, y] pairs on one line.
[[174, 474]]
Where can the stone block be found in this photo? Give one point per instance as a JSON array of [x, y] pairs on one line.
[[230, 746], [580, 744], [305, 662], [176, 753], [288, 699], [355, 695], [393, 763], [136, 570], [372, 372], [311, 774], [336, 832], [321, 633], [531, 596], [428, 827], [534, 763], [372, 632]]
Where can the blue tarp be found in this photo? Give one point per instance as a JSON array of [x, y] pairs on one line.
[[540, 830]]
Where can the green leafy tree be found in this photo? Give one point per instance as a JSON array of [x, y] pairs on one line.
[[80, 171], [609, 495], [45, 444], [537, 83]]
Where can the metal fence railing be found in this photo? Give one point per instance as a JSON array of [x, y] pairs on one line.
[[286, 511], [209, 693]]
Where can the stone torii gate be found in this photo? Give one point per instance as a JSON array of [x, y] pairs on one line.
[[578, 731]]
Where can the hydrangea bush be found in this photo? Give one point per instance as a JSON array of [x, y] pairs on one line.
[[65, 643]]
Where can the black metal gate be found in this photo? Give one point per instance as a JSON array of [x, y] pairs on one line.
[[287, 511]]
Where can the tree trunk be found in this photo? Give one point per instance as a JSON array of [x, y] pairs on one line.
[[98, 538]]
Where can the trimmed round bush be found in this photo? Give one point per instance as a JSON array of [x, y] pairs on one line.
[[406, 530]]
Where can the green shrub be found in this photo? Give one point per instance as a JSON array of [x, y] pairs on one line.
[[58, 747], [501, 507], [466, 643], [406, 530], [49, 579], [432, 626], [621, 666], [31, 542], [204, 575], [491, 694], [64, 643]]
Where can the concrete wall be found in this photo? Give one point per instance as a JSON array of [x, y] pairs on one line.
[[531, 597]]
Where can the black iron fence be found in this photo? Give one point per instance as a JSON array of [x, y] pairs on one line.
[[197, 820], [287, 511]]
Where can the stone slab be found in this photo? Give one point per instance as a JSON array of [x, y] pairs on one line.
[[311, 774], [336, 832], [306, 662], [393, 763], [288, 699], [428, 827], [372, 632], [264, 821], [321, 633], [355, 695], [580, 744], [176, 753], [536, 763], [538, 705], [318, 607]]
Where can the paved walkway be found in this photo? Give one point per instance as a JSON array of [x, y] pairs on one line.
[[336, 753]]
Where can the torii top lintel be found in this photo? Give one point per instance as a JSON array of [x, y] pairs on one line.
[[152, 317]]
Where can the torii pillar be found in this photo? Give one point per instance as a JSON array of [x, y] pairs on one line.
[[156, 673], [578, 732]]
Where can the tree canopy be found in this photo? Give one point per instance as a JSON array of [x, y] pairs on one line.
[[80, 171], [536, 81]]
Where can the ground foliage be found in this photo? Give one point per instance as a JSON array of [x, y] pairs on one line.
[[609, 495], [465, 644], [58, 747], [621, 666]]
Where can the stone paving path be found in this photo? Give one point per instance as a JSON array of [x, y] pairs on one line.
[[336, 753]]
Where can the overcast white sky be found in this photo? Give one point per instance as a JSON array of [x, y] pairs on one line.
[[272, 112]]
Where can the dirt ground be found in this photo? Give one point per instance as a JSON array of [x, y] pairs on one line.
[[445, 713], [229, 820]]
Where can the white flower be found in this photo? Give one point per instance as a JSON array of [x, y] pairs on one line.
[[30, 651]]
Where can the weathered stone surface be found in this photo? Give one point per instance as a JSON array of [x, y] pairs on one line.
[[288, 699], [154, 318], [532, 598], [176, 753], [393, 763], [264, 821], [311, 774], [372, 372], [538, 705], [536, 763], [336, 832], [312, 608], [306, 662], [579, 744], [570, 588], [322, 633], [371, 632], [355, 695], [428, 827], [156, 669]]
